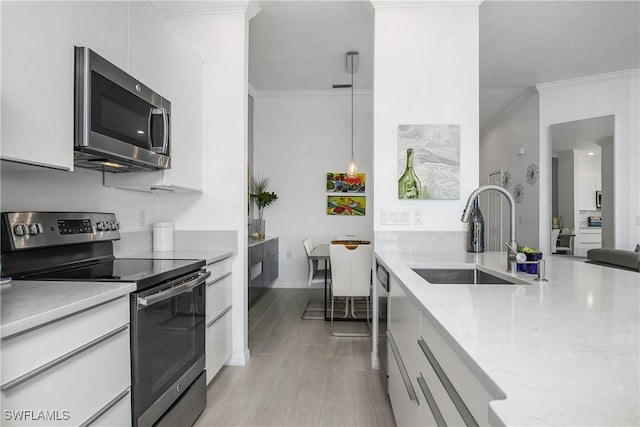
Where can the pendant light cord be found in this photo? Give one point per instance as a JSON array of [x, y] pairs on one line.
[[352, 72]]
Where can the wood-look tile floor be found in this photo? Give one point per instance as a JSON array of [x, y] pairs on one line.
[[298, 374]]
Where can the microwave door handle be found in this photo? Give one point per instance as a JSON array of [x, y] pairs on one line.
[[165, 136], [152, 111]]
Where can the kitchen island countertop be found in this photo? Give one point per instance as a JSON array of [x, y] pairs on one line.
[[565, 352]]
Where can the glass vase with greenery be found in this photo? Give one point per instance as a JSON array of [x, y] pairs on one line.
[[261, 195]]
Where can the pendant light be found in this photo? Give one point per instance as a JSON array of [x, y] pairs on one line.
[[352, 167]]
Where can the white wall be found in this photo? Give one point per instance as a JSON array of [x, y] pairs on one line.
[[29, 188], [615, 94], [298, 138], [499, 150], [425, 72]]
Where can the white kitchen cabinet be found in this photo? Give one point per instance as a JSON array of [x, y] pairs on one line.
[[218, 338], [403, 332], [430, 383], [146, 45], [588, 238], [78, 368], [37, 83], [182, 85], [103, 26]]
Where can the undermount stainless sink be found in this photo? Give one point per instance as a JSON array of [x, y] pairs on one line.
[[457, 276]]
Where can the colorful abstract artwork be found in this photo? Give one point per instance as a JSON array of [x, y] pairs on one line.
[[429, 162], [338, 182], [346, 205]]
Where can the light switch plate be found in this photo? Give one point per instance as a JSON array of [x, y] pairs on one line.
[[395, 217]]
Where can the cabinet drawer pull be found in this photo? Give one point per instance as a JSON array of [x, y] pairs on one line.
[[431, 402], [216, 280], [31, 374], [464, 412], [105, 408], [226, 310], [403, 370]]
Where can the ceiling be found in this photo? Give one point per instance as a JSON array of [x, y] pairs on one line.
[[301, 45]]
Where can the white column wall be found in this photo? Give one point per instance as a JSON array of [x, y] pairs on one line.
[[425, 72], [223, 45]]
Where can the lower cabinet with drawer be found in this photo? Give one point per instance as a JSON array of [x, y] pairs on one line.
[[74, 371], [430, 383], [218, 338]]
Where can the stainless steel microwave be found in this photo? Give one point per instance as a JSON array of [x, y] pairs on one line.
[[121, 125]]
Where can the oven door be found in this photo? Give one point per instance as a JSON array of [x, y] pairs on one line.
[[168, 326]]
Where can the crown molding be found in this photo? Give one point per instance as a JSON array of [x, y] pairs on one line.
[[589, 79], [194, 8], [299, 93], [389, 4]]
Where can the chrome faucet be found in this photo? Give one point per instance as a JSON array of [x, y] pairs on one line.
[[513, 246]]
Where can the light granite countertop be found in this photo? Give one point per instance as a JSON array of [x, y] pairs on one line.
[[209, 255], [29, 304], [565, 352]]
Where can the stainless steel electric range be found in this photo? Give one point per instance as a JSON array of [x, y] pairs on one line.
[[167, 308]]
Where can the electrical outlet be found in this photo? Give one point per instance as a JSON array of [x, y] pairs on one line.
[[142, 215], [417, 217], [289, 253]]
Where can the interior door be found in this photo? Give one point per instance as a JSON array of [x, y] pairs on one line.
[[494, 218]]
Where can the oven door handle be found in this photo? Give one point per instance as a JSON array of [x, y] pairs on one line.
[[144, 302]]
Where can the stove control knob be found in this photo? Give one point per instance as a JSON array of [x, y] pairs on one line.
[[100, 226], [20, 230], [117, 225], [114, 225], [107, 225], [34, 229]]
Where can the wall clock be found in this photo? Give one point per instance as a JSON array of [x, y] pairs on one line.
[[506, 179], [518, 193], [532, 174]]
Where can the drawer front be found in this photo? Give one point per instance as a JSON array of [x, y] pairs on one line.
[[24, 353], [475, 394], [218, 297], [218, 344], [117, 415], [271, 248], [590, 237], [219, 269], [73, 391]]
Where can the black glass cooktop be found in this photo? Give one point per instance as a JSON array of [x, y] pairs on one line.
[[145, 272]]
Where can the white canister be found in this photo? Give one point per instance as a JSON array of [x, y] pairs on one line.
[[163, 236]]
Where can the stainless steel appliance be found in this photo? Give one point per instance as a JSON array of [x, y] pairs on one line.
[[167, 309], [121, 125], [383, 299]]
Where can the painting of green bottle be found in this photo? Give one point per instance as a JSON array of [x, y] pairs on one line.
[[429, 162]]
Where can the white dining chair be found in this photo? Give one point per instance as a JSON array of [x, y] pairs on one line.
[[316, 276], [351, 278], [557, 246]]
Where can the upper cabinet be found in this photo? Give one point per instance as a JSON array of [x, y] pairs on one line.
[[38, 41], [103, 27], [37, 83]]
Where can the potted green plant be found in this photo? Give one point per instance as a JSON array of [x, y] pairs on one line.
[[533, 255], [263, 198]]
